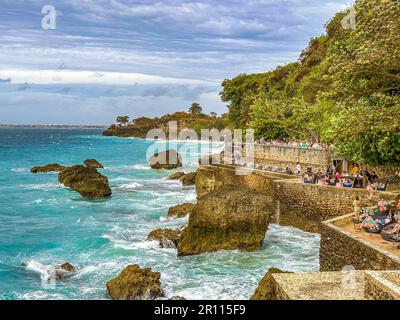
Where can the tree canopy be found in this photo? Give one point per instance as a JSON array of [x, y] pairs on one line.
[[344, 89]]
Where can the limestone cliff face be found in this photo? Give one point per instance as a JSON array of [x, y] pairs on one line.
[[266, 289], [226, 219]]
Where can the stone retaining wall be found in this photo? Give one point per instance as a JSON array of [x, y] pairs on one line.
[[340, 248], [282, 157]]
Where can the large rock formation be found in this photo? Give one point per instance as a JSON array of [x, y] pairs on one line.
[[93, 163], [180, 210], [85, 180], [226, 219], [188, 179], [135, 283], [266, 289], [176, 176], [167, 238], [167, 160], [54, 167]]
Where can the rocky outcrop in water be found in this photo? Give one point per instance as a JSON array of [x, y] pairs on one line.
[[226, 219], [135, 283], [167, 238], [85, 180], [266, 289], [176, 176], [166, 160], [93, 163], [180, 210], [67, 267], [54, 167], [188, 179]]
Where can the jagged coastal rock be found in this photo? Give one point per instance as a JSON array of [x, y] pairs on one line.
[[180, 210], [135, 283], [166, 160], [266, 289], [176, 176], [188, 179], [85, 180], [226, 219], [167, 238], [93, 163], [54, 167], [67, 267]]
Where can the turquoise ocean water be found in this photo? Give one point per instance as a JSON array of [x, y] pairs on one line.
[[42, 224]]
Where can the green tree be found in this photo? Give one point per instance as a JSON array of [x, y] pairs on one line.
[[195, 109], [122, 120]]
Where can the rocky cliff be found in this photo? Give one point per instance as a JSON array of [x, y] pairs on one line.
[[226, 219]]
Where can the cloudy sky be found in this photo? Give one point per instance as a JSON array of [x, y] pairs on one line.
[[141, 57]]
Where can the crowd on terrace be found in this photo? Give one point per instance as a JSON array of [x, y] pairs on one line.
[[355, 178], [293, 143], [382, 219]]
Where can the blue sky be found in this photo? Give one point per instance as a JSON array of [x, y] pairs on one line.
[[135, 57]]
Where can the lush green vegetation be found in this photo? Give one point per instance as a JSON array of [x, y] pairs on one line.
[[344, 89]]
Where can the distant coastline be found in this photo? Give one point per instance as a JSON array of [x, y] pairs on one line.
[[52, 126]]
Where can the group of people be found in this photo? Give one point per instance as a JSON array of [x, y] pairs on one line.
[[353, 178], [370, 219], [294, 144]]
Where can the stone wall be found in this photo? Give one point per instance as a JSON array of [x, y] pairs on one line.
[[321, 202], [282, 157], [353, 285], [340, 248]]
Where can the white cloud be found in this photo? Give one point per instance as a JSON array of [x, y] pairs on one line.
[[88, 77]]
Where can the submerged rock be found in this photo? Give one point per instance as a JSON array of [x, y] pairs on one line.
[[168, 238], [188, 179], [54, 167], [85, 180], [167, 160], [135, 283], [266, 289], [93, 163], [226, 219], [180, 210], [176, 176]]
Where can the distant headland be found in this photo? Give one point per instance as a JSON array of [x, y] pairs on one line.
[[51, 126]]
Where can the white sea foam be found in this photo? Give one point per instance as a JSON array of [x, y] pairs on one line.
[[42, 186], [130, 186]]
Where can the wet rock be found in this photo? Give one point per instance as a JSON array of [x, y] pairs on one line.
[[85, 180], [54, 167], [93, 163], [135, 283], [188, 179], [176, 176], [166, 237], [166, 160], [232, 217], [177, 298], [67, 267], [266, 289], [180, 210]]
